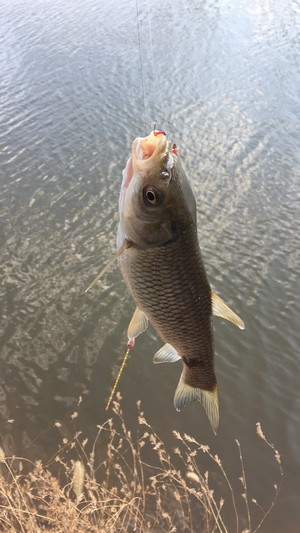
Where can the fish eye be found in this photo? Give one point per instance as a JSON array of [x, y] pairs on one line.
[[151, 196]]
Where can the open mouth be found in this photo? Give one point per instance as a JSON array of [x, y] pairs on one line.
[[146, 150]]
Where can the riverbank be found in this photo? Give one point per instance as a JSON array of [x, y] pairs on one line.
[[121, 492]]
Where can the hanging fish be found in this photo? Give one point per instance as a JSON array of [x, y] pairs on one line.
[[161, 263]]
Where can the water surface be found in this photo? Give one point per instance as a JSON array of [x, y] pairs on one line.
[[79, 81]]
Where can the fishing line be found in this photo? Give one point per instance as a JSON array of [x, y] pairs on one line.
[[130, 345], [152, 78], [150, 48], [156, 93], [140, 59]]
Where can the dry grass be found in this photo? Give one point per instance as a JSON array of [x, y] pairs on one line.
[[120, 492]]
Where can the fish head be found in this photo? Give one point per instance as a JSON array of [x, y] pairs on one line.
[[156, 199]]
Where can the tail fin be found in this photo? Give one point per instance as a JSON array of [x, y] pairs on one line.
[[185, 394]]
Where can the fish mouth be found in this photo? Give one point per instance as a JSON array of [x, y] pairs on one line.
[[148, 152]]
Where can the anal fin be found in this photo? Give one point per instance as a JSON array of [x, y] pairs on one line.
[[166, 354], [185, 394], [220, 308], [138, 324]]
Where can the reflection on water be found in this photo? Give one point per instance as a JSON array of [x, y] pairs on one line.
[[222, 78]]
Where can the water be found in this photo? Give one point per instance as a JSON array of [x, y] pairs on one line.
[[223, 79]]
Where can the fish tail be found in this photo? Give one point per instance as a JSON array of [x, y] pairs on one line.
[[185, 394]]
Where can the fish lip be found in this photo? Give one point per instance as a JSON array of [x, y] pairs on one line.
[[148, 152]]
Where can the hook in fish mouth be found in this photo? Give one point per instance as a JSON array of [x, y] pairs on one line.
[[148, 151]]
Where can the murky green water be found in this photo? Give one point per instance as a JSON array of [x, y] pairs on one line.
[[222, 78]]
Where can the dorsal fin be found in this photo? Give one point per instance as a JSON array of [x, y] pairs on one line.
[[138, 324], [220, 308]]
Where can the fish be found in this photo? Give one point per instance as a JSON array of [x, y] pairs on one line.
[[160, 260]]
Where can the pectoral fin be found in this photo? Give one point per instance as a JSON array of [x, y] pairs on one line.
[[126, 244], [138, 324], [185, 394], [220, 308], [167, 354]]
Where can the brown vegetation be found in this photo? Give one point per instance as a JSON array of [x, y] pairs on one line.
[[122, 493]]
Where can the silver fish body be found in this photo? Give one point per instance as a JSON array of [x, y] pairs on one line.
[[163, 268]]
